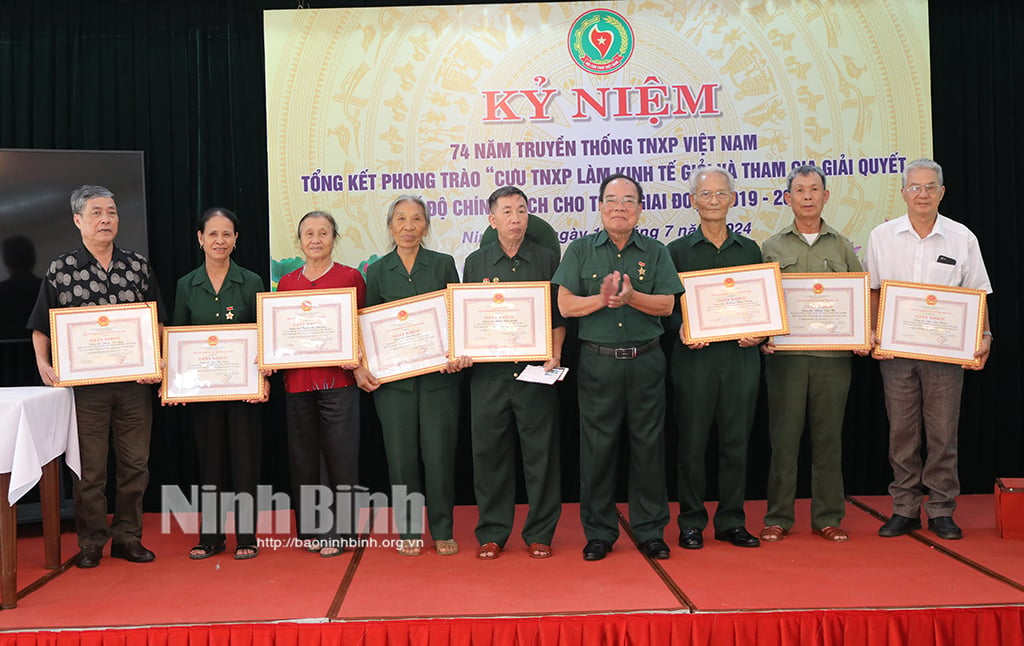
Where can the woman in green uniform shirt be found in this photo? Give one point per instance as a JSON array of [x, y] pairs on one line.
[[419, 416], [221, 292]]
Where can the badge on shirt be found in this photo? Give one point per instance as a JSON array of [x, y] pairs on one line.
[[641, 269], [230, 315]]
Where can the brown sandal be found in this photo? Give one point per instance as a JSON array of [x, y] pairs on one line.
[[488, 551], [539, 551], [833, 534], [773, 534], [446, 547]]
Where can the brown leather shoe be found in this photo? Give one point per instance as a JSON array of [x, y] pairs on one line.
[[133, 552], [90, 556]]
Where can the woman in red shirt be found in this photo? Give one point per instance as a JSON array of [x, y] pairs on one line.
[[323, 402]]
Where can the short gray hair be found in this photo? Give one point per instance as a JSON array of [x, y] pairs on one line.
[[804, 171], [83, 194], [407, 198], [697, 175], [924, 164]]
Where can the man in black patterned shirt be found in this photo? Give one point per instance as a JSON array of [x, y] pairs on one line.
[[100, 273]]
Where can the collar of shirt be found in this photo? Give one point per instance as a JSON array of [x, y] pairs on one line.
[[118, 255], [495, 254], [826, 230], [903, 226], [392, 262], [202, 279], [634, 239], [730, 239]]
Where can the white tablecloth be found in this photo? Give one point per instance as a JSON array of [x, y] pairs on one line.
[[37, 424]]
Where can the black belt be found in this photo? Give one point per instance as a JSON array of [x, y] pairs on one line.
[[622, 353]]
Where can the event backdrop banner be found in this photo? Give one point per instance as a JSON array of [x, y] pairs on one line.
[[451, 102]]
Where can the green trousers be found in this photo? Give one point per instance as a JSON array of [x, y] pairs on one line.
[[715, 387], [503, 409], [421, 425], [806, 392], [617, 394]]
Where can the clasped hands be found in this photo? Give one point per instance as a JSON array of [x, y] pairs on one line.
[[617, 290]]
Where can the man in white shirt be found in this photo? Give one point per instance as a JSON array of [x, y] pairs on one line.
[[924, 247]]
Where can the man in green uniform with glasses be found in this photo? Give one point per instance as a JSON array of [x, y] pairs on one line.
[[619, 283]]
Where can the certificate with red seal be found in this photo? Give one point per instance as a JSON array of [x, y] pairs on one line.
[[211, 363], [931, 322], [407, 337], [104, 343], [732, 303], [827, 311], [501, 321]]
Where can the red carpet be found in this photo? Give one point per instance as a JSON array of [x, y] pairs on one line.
[[870, 590]]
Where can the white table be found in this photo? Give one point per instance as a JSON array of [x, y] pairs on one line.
[[37, 426]]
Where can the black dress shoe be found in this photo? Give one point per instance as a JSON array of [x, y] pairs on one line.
[[654, 548], [899, 525], [945, 527], [738, 536], [89, 556], [691, 538], [133, 552], [596, 550]]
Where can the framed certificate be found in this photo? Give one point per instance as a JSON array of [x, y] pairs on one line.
[[405, 338], [211, 363], [930, 322], [732, 303], [315, 327], [104, 343], [501, 321], [830, 311]]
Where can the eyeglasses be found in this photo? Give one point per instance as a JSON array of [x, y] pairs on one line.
[[626, 202], [929, 189], [707, 195]]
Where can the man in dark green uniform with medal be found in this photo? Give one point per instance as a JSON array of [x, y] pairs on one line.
[[619, 283], [498, 398]]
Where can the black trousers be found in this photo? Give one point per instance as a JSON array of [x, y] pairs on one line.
[[324, 423], [229, 440]]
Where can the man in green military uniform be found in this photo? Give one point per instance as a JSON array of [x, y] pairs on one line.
[[807, 387], [715, 383], [619, 283], [498, 398]]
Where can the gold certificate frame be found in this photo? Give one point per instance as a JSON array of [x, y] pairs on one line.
[[300, 329], [826, 311], [211, 363], [500, 321], [405, 338], [733, 303], [931, 322], [99, 344]]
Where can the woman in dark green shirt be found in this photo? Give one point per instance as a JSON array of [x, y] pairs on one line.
[[419, 416], [221, 292]]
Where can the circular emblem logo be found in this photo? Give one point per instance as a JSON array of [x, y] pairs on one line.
[[931, 300], [729, 282], [600, 41], [212, 340], [499, 298], [306, 306], [818, 288], [103, 321], [402, 315]]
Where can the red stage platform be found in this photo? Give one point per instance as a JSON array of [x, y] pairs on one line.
[[914, 589]]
